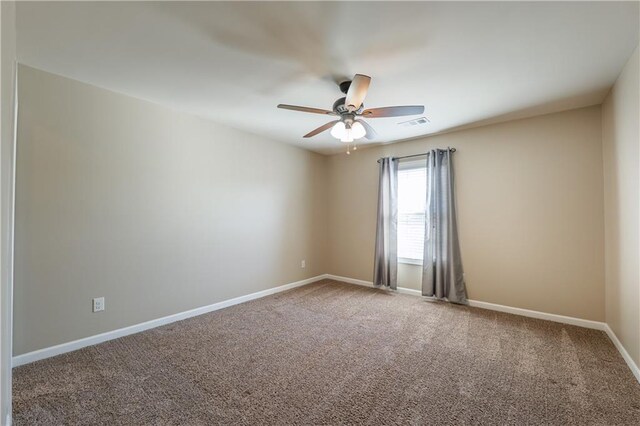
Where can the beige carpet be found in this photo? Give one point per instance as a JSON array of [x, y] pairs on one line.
[[332, 353]]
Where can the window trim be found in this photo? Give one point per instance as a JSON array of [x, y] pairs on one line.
[[411, 164]]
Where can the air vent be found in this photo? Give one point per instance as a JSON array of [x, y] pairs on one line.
[[415, 122]]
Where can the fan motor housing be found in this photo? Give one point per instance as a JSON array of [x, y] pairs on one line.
[[340, 108]]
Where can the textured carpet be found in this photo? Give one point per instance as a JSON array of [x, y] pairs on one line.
[[332, 353]]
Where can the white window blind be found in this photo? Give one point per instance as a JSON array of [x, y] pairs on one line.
[[412, 190]]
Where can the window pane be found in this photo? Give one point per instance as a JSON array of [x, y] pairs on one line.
[[412, 191]]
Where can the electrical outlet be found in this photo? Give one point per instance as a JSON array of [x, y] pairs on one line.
[[303, 264], [98, 304]]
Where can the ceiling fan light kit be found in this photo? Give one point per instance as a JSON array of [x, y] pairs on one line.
[[349, 127], [348, 131]]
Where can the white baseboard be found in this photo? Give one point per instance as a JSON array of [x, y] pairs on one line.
[[625, 355], [121, 332], [110, 335], [597, 325], [492, 306], [349, 280], [370, 284]]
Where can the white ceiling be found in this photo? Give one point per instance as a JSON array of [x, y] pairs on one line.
[[468, 63]]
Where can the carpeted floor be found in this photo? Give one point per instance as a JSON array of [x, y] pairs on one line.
[[332, 353]]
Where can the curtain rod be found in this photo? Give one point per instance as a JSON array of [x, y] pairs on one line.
[[416, 155]]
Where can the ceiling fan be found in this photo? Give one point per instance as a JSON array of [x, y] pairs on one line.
[[350, 108]]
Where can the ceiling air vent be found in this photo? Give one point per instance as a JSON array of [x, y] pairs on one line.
[[415, 122]]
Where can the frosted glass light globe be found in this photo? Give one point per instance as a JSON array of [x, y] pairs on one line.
[[338, 131], [357, 130], [348, 136]]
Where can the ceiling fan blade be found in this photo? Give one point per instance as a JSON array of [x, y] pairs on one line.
[[357, 91], [306, 109], [395, 111], [370, 132], [321, 129]]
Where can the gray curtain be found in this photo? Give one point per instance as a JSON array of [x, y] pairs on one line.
[[442, 274], [386, 257]]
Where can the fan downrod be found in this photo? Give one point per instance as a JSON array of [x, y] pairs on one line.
[[344, 86]]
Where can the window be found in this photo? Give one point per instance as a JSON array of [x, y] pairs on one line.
[[412, 194]]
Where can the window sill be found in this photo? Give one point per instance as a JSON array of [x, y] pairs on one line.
[[410, 261]]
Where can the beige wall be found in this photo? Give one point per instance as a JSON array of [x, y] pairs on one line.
[[621, 142], [161, 212], [157, 211], [7, 74], [530, 197]]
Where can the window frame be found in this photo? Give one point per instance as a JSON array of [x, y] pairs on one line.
[[411, 165]]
